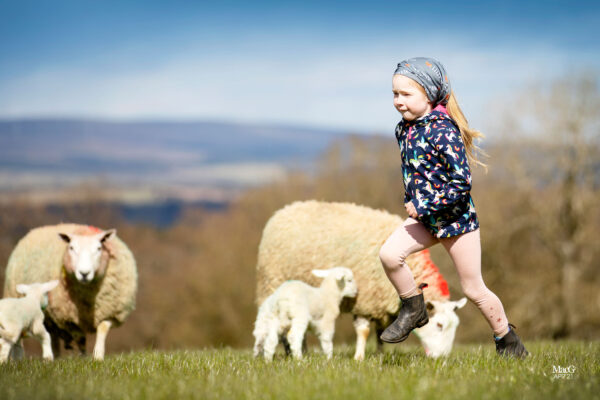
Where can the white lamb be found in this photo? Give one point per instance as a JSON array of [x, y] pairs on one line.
[[22, 316], [296, 306]]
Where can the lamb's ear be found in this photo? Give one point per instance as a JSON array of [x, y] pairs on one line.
[[321, 273], [65, 237], [22, 288], [107, 235], [48, 286], [460, 303]]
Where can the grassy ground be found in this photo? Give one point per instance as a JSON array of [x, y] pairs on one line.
[[400, 372]]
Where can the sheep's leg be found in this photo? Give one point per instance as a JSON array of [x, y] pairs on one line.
[[296, 335], [55, 342], [362, 328], [40, 333], [286, 344], [81, 345], [5, 347], [379, 328], [101, 333]]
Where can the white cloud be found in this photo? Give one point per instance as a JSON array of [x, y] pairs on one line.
[[346, 87]]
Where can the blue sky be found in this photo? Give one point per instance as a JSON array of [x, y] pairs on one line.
[[310, 63]]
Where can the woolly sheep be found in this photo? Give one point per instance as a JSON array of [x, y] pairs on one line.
[[304, 235], [97, 280], [22, 316], [296, 306]]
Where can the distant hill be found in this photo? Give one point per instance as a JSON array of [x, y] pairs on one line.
[[54, 153]]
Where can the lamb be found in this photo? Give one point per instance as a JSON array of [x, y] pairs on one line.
[[22, 316], [296, 306], [97, 281], [310, 234]]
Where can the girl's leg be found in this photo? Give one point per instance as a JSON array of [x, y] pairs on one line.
[[409, 238], [465, 251]]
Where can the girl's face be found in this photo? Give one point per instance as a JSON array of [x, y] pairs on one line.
[[409, 98]]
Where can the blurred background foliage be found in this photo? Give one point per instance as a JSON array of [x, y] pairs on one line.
[[537, 204]]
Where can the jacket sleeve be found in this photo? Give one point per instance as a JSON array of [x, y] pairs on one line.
[[447, 177]]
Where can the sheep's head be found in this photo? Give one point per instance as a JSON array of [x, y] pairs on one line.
[[437, 336], [38, 290], [343, 277], [87, 256]]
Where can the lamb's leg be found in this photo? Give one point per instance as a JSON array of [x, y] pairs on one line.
[[296, 335], [101, 333], [41, 334], [325, 331], [362, 328], [271, 341], [5, 347]]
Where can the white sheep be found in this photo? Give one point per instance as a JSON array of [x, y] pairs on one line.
[[97, 280], [24, 316], [296, 306], [306, 235]]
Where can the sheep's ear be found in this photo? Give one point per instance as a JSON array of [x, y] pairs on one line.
[[65, 237], [48, 286], [22, 289], [321, 273], [107, 235], [429, 305], [460, 303]]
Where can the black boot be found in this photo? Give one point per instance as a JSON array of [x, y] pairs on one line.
[[413, 314], [510, 345]]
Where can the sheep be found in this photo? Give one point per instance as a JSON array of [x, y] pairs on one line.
[[97, 281], [22, 316], [305, 235], [296, 306]]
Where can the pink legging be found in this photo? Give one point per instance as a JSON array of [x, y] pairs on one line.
[[465, 251]]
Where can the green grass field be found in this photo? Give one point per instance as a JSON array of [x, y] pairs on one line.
[[401, 372]]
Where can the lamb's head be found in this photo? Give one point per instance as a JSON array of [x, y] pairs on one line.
[[87, 256], [342, 276], [437, 336], [38, 291]]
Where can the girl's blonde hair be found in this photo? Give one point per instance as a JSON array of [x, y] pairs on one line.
[[467, 133]]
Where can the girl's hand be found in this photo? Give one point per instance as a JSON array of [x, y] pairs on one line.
[[411, 210]]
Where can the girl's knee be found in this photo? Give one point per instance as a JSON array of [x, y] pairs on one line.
[[390, 257]]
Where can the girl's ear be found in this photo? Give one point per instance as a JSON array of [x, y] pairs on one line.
[[321, 273]]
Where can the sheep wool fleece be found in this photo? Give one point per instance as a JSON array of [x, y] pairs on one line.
[[318, 235], [437, 178]]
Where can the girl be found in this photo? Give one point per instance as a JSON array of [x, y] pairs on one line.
[[436, 145]]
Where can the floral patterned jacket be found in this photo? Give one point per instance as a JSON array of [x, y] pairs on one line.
[[437, 178]]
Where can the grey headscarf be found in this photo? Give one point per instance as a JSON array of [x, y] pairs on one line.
[[430, 74]]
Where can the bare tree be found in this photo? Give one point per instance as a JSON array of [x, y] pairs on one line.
[[554, 133]]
